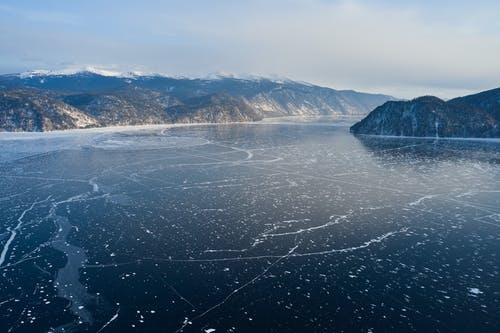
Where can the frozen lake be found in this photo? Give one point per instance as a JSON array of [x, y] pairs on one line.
[[278, 227]]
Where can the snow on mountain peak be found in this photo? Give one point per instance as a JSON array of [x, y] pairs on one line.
[[135, 74], [79, 70]]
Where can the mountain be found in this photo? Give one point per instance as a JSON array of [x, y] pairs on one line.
[[475, 115], [25, 110], [124, 106], [214, 108], [153, 99]]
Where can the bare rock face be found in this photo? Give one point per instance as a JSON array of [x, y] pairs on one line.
[[470, 116]]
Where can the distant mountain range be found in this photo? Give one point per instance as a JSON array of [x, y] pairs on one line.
[[475, 115], [43, 101]]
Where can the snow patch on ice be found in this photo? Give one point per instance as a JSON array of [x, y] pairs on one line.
[[474, 291]]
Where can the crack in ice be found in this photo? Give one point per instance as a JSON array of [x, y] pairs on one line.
[[13, 232], [115, 316], [366, 244], [188, 321]]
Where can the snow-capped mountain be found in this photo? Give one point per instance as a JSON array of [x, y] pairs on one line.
[[111, 98], [75, 71]]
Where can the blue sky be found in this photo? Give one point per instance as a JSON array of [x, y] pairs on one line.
[[445, 48]]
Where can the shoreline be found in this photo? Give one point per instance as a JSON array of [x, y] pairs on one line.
[[429, 137], [331, 120], [289, 120]]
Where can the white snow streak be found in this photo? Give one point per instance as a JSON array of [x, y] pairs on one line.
[[13, 232], [109, 321]]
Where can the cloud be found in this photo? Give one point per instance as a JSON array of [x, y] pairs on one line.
[[357, 45], [433, 47]]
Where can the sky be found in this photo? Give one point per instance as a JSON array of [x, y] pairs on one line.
[[402, 48]]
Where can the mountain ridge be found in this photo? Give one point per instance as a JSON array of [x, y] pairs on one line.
[[149, 99], [476, 115]]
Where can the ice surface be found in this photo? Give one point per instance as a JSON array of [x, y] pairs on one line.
[[281, 227]]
